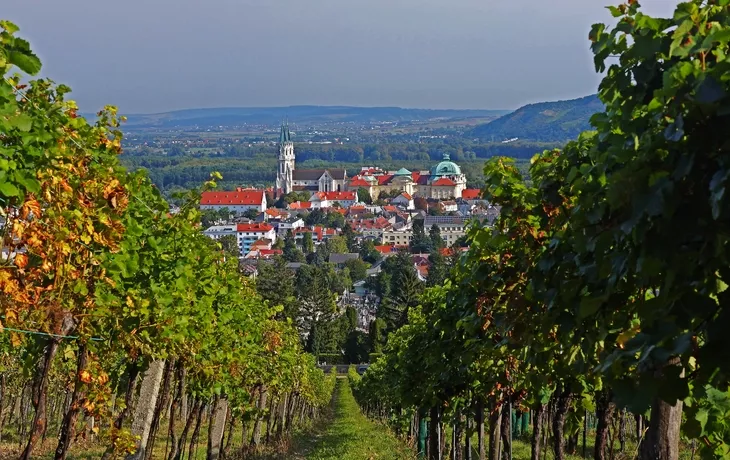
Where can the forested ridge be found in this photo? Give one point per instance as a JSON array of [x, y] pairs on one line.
[[121, 323], [556, 121], [598, 304]]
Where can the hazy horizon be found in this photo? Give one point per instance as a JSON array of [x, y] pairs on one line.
[[154, 57]]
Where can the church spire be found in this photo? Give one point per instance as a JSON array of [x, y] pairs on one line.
[[285, 135]]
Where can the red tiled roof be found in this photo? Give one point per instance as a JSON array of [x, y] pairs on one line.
[[406, 196], [384, 179], [239, 197], [389, 249], [276, 212], [390, 208], [416, 176], [300, 205], [257, 227], [423, 270], [337, 196], [471, 194], [444, 181], [358, 181], [422, 179], [270, 252], [366, 224], [263, 242]]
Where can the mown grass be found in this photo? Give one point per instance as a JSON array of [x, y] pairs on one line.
[[350, 435]]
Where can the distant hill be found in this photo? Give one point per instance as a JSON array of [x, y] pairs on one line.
[[546, 121], [299, 114]]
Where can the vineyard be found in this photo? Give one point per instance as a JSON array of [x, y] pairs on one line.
[[598, 305], [105, 295]]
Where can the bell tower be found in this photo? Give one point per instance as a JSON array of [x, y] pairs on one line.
[[285, 172]]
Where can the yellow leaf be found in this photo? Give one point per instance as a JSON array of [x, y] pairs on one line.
[[15, 339], [21, 260]]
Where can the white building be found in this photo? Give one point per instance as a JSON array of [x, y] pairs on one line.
[[246, 234], [397, 237], [289, 225], [237, 201], [405, 200], [328, 199]]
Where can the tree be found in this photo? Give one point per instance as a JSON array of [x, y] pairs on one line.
[[439, 271], [251, 213], [357, 347], [378, 335], [275, 284], [350, 237], [291, 252], [307, 243], [315, 294], [363, 196], [368, 253], [229, 244], [435, 235], [357, 269], [315, 217], [336, 245], [421, 243], [334, 220]]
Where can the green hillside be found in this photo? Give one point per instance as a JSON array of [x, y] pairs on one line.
[[546, 121]]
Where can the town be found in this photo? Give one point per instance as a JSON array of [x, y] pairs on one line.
[[358, 221]]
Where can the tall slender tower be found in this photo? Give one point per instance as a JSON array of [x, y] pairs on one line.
[[284, 175]]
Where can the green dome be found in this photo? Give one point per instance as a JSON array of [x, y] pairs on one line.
[[403, 172], [446, 168]]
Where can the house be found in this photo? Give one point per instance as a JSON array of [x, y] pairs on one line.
[[345, 199], [390, 249], [405, 200], [264, 254], [300, 205], [248, 234], [238, 201], [217, 232], [448, 206], [339, 259], [319, 234], [371, 227], [289, 225], [471, 194], [275, 214], [400, 237], [319, 200]]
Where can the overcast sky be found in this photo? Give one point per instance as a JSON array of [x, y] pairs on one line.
[[160, 55]]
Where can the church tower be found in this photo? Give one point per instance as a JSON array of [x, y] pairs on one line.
[[285, 172]]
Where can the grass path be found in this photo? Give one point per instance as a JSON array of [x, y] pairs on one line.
[[349, 435]]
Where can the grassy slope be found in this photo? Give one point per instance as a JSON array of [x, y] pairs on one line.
[[350, 435]]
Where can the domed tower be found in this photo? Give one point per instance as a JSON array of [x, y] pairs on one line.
[[447, 180], [286, 161]]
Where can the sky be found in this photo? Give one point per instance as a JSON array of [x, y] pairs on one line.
[[148, 56]]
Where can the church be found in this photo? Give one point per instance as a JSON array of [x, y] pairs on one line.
[[443, 181], [289, 179]]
